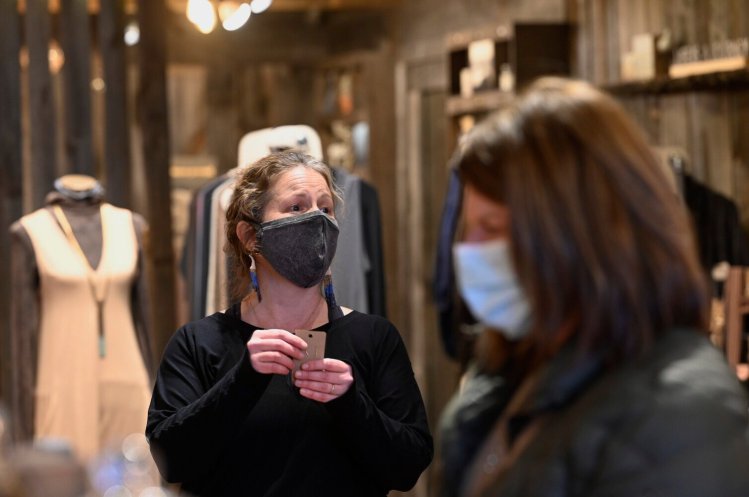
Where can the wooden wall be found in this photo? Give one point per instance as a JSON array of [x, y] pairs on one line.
[[11, 165], [268, 74], [709, 122]]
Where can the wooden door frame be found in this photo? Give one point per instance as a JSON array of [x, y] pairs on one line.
[[414, 79]]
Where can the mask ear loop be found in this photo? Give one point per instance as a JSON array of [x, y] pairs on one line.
[[253, 278]]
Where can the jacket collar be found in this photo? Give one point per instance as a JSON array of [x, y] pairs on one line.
[[559, 382]]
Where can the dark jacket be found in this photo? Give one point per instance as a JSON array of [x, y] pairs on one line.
[[670, 424]]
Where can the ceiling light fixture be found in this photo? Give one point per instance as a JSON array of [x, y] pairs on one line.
[[132, 34], [259, 6], [202, 14], [56, 57], [233, 14]]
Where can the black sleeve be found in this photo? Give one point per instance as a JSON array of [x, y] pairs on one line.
[[23, 340], [384, 423], [140, 300], [190, 423]]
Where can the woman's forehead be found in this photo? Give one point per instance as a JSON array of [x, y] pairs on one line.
[[300, 178]]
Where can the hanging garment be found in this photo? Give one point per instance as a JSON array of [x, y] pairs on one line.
[[218, 287], [720, 236], [196, 252], [443, 287], [373, 244], [92, 387], [351, 262]]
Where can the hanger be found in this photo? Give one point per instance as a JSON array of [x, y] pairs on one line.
[[674, 161]]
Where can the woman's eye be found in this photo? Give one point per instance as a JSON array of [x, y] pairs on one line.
[[326, 210], [295, 208]]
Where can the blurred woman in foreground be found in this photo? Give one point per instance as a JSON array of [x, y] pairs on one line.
[[579, 255]]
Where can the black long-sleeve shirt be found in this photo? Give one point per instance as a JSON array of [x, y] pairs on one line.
[[222, 429]]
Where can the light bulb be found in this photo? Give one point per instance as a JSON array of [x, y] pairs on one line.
[[132, 34], [226, 9], [193, 10], [238, 17], [56, 57], [259, 6], [202, 14]]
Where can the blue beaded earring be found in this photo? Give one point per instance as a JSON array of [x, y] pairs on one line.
[[328, 289], [253, 278]]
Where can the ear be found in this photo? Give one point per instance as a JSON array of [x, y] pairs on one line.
[[246, 234]]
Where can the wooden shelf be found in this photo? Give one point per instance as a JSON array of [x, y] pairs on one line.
[[485, 101], [728, 80]]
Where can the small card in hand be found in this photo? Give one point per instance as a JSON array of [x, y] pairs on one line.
[[315, 347]]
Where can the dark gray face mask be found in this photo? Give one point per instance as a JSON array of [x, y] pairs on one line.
[[300, 248]]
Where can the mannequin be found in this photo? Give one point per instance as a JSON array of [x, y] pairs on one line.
[[80, 344]]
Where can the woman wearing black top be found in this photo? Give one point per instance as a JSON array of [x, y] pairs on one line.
[[228, 419]]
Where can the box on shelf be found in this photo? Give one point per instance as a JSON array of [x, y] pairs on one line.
[[644, 61], [481, 61]]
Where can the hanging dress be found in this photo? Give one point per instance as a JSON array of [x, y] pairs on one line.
[[92, 385]]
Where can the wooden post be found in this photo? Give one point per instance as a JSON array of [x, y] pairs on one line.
[[116, 170], [41, 103], [222, 134], [153, 118], [75, 42], [10, 159], [382, 161], [736, 306]]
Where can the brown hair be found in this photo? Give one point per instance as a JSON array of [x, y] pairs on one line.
[[603, 249], [251, 195]]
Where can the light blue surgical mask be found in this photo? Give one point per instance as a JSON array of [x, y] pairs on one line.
[[488, 284]]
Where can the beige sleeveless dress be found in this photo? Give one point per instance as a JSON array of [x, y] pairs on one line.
[[90, 401]]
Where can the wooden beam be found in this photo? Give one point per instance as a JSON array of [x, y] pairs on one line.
[[10, 160], [222, 134], [278, 5], [76, 45], [278, 37], [153, 120], [380, 72], [41, 102], [117, 166], [270, 37], [304, 5]]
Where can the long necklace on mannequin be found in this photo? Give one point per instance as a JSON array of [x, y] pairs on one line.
[[98, 286]]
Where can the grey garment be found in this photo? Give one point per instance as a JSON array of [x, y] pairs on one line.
[[351, 264], [84, 218]]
